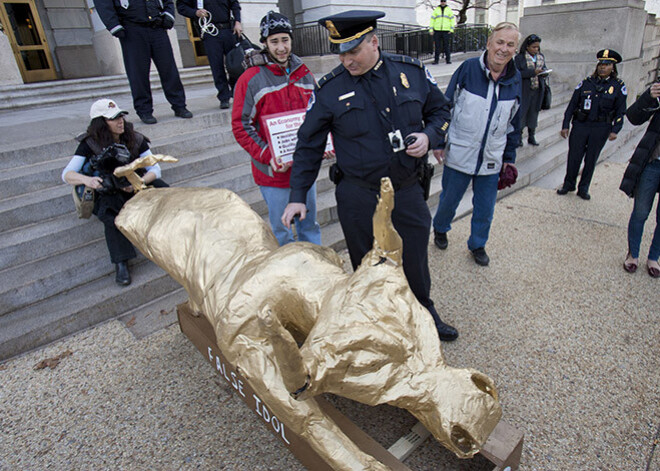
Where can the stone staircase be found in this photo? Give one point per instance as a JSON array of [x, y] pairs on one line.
[[55, 273]]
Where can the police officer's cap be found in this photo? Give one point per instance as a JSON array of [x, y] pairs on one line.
[[348, 29], [609, 56]]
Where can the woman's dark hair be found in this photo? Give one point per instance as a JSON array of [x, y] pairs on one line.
[[99, 131], [531, 39], [614, 73]]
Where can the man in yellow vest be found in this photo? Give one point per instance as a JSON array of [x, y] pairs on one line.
[[442, 27]]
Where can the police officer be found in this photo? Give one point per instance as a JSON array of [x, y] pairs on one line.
[[218, 41], [375, 104], [596, 109], [141, 28]]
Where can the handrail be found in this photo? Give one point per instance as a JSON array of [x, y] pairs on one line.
[[311, 39]]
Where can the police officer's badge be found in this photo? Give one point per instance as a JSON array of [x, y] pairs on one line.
[[611, 90], [429, 77], [404, 80], [312, 100]]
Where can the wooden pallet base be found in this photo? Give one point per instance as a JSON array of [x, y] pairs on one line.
[[503, 448]]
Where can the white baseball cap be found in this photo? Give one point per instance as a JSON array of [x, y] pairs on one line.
[[105, 108]]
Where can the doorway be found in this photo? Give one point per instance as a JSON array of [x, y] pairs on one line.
[[194, 34], [22, 26]]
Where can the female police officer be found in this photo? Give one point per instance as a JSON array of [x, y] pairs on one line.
[[596, 109]]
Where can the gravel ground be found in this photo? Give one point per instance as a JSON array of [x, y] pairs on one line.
[[571, 340]]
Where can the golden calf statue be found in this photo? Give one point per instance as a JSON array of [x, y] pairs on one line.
[[363, 336]]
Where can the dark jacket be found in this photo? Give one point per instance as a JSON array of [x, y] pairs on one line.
[[221, 10], [344, 105], [147, 12], [607, 103], [645, 108], [526, 73]]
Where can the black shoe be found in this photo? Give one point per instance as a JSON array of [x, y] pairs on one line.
[[531, 140], [123, 276], [440, 240], [148, 118], [448, 62], [481, 257], [224, 105], [520, 144], [563, 190], [183, 113], [446, 332], [434, 62], [584, 195]]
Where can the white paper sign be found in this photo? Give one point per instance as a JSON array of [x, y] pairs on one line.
[[282, 131]]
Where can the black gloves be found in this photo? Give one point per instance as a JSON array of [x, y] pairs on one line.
[[168, 22], [120, 33]]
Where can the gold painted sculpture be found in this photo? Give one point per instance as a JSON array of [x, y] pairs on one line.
[[364, 335], [133, 178]]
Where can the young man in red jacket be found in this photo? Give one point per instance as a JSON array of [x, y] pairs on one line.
[[280, 82]]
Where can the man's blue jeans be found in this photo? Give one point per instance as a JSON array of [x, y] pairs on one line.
[[308, 229], [454, 185], [648, 185]]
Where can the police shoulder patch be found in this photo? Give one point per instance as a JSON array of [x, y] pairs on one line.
[[624, 90], [429, 76], [579, 84], [312, 100]]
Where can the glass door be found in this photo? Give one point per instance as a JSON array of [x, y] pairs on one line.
[[198, 46], [22, 26]]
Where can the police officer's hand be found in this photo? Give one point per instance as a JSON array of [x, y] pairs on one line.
[[274, 164], [564, 133], [201, 13], [292, 210], [238, 29], [439, 155], [120, 33], [655, 90], [168, 22], [420, 147], [612, 136]]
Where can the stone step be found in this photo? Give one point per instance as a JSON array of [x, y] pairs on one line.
[[79, 308], [65, 91], [38, 150]]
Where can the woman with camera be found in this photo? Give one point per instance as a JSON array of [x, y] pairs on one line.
[[110, 142], [531, 64]]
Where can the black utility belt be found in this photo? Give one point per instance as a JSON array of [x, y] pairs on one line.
[[222, 24], [407, 183]]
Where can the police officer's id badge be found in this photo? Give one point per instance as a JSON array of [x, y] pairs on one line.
[[587, 104]]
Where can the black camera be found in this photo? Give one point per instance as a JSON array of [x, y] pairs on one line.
[[105, 163]]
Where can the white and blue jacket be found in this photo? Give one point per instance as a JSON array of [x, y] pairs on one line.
[[485, 122]]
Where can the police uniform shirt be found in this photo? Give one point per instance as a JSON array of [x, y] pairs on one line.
[[360, 111], [598, 100], [221, 10], [136, 11]]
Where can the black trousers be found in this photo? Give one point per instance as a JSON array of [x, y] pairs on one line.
[[442, 38], [411, 219], [139, 47], [216, 48], [585, 142], [107, 208]]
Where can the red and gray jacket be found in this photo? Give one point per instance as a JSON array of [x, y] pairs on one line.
[[264, 90]]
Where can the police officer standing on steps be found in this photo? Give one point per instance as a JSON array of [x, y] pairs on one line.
[[384, 111], [596, 108], [218, 40], [141, 26], [442, 28]]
